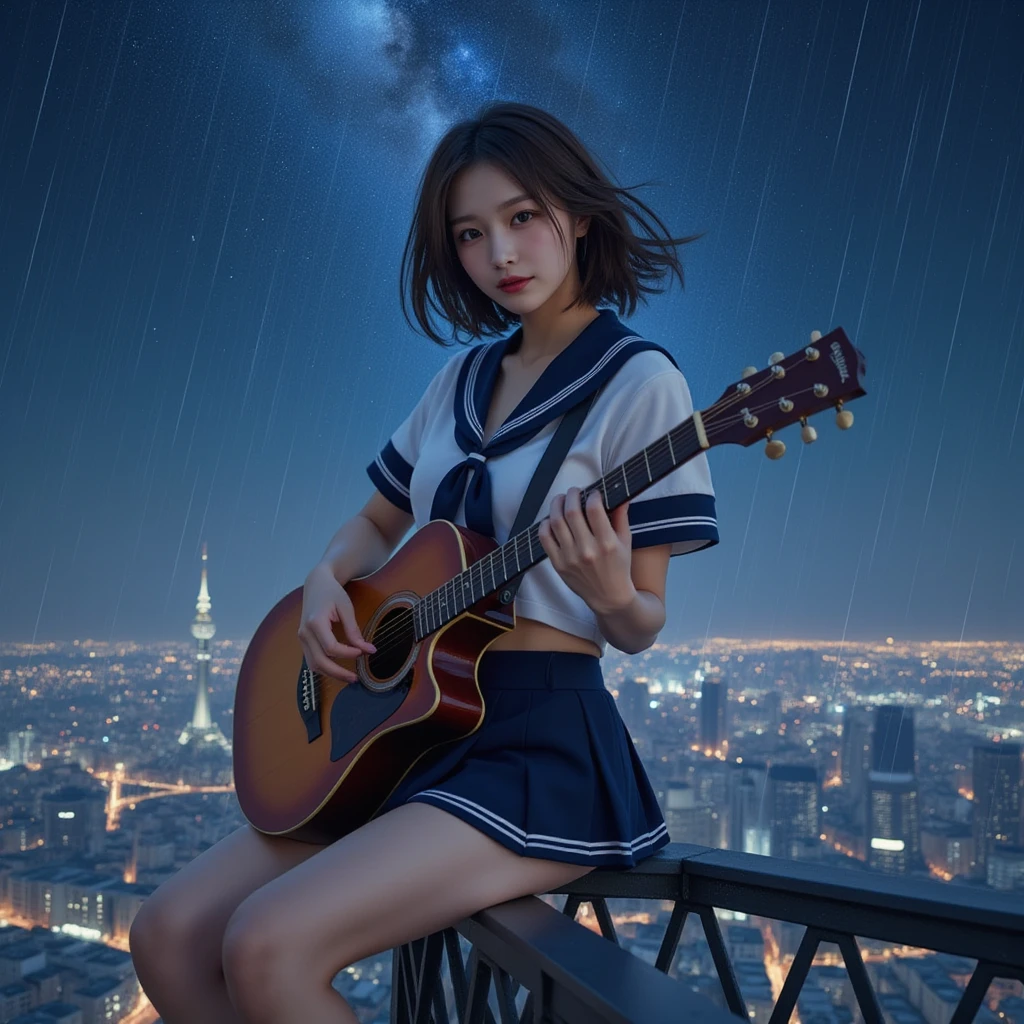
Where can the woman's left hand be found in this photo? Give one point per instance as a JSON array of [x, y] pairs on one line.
[[593, 553]]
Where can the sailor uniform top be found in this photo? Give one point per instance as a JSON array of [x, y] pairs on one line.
[[435, 466]]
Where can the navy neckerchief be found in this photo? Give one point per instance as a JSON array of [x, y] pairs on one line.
[[589, 360]]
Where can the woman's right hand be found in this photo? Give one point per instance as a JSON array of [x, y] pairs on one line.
[[324, 602]]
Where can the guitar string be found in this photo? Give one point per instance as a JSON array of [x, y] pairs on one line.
[[398, 630]]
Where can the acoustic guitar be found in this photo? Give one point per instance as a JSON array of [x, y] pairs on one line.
[[315, 757]]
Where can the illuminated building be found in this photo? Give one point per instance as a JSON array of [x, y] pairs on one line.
[[997, 790], [712, 716], [75, 820], [795, 809]]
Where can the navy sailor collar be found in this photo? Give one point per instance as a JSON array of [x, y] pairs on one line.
[[584, 365]]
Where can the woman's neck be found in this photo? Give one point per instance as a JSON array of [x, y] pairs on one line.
[[547, 331]]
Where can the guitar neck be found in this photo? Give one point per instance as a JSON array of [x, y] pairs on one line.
[[492, 572]]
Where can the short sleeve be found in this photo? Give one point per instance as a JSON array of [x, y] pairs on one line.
[[679, 509], [391, 471]]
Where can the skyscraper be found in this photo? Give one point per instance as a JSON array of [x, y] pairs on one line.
[[712, 716], [892, 745], [634, 705], [894, 827], [855, 758], [997, 797], [795, 806], [748, 809], [689, 819], [893, 819]]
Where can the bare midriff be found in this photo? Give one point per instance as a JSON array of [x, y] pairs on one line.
[[532, 635]]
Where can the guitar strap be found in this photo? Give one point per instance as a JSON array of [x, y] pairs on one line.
[[543, 476]]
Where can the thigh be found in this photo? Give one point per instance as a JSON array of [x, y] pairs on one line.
[[408, 873], [194, 905]]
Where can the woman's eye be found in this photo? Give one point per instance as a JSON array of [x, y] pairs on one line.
[[529, 213]]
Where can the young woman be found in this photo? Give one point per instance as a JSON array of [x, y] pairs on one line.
[[550, 785]]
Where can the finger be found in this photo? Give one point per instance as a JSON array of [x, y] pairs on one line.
[[598, 521], [586, 544], [548, 543], [332, 647], [556, 521], [319, 662], [620, 523], [352, 631]]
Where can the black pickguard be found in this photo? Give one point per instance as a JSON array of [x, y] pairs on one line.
[[357, 710]]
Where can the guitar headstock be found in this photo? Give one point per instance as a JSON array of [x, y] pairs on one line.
[[826, 374]]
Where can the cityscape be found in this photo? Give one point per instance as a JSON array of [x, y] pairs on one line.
[[899, 757]]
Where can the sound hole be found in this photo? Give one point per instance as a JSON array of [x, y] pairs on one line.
[[393, 638]]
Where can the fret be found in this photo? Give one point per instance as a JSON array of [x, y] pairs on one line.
[[671, 453], [625, 481], [648, 466]]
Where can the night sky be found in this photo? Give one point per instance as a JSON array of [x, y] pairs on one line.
[[202, 212]]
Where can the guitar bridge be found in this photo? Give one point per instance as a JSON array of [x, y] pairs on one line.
[[308, 702]]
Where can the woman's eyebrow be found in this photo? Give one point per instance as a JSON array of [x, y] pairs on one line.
[[501, 206]]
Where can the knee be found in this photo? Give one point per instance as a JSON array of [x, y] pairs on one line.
[[162, 929], [254, 959]]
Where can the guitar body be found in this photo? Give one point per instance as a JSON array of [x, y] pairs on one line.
[[315, 757]]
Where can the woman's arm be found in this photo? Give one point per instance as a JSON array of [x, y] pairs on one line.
[[634, 624], [365, 542]]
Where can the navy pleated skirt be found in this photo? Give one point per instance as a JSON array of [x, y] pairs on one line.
[[551, 772]]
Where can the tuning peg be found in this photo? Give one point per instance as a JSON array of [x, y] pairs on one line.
[[776, 357], [815, 336], [774, 449], [844, 418], [807, 432], [748, 371]]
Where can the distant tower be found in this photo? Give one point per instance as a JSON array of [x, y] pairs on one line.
[[202, 729]]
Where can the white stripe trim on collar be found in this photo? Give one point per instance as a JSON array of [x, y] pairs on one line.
[[568, 389]]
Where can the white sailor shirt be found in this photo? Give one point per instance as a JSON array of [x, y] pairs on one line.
[[644, 396]]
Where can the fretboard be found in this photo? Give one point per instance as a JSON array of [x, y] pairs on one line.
[[492, 572]]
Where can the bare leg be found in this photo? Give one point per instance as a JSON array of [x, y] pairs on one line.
[[176, 936], [402, 876]]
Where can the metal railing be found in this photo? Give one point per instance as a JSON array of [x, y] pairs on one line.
[[527, 943]]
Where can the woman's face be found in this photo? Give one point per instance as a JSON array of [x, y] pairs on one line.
[[499, 232]]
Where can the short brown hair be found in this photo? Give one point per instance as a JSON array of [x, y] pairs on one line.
[[546, 158]]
